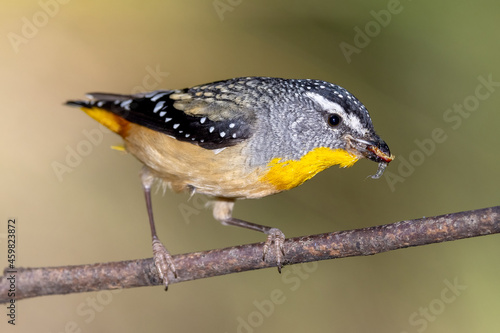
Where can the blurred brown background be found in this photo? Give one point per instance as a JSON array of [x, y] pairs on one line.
[[408, 62]]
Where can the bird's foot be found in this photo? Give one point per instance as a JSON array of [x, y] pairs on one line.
[[277, 237], [163, 261]]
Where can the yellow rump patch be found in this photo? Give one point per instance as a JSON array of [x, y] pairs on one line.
[[115, 123], [285, 175], [119, 148]]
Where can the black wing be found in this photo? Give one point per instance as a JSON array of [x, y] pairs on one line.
[[206, 122]]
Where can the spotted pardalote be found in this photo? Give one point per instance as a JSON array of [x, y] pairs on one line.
[[240, 138]]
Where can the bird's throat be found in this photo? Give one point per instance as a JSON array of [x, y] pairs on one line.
[[287, 174]]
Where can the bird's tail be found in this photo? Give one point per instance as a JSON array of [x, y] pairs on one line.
[[107, 109]]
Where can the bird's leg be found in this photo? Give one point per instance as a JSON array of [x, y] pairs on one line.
[[162, 258], [223, 210]]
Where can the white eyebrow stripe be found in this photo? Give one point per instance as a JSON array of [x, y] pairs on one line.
[[355, 124], [351, 119], [325, 103]]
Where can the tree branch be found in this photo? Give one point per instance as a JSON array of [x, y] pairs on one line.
[[32, 282]]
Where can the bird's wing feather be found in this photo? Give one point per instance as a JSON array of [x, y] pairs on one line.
[[207, 122]]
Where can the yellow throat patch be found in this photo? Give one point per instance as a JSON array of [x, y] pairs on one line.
[[285, 175]]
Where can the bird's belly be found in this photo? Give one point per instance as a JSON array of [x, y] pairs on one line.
[[185, 166]]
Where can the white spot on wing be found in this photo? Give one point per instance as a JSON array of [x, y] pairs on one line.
[[202, 120], [158, 96], [217, 151], [167, 119], [158, 106], [176, 125], [163, 113], [150, 94], [126, 104]]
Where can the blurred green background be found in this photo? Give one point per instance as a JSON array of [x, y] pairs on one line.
[[410, 63]]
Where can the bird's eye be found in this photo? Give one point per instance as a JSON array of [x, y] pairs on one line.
[[334, 120]]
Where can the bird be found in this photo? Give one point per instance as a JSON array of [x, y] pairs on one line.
[[240, 138]]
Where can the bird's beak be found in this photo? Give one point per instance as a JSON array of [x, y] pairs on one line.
[[374, 149]]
